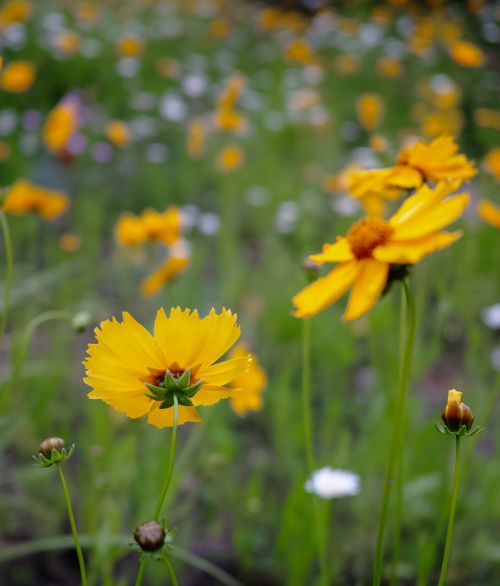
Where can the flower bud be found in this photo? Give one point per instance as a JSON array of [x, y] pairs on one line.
[[455, 414], [49, 444], [81, 321], [150, 536]]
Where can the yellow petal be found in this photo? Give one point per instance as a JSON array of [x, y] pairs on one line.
[[367, 288], [411, 251], [323, 292], [211, 394], [165, 417], [338, 252], [489, 213], [405, 177], [224, 372]]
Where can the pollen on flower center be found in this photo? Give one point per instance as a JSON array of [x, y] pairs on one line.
[[365, 235]]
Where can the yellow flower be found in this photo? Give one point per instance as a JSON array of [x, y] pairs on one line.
[[230, 158], [346, 64], [370, 109], [299, 51], [492, 163], [24, 197], [69, 242], [232, 91], [389, 66], [14, 11], [67, 43], [127, 356], [372, 245], [489, 213], [372, 188], [487, 118], [118, 133], [17, 77], [229, 120], [455, 413], [60, 125], [149, 226], [249, 385], [467, 54], [196, 138], [163, 275], [130, 45], [220, 28]]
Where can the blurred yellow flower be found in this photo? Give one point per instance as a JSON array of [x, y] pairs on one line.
[[24, 197], [17, 76], [370, 110], [467, 54], [151, 225], [60, 124], [196, 135], [88, 12], [389, 66], [347, 64], [489, 213], [372, 245], [487, 118], [67, 42], [230, 158], [130, 45], [220, 28], [69, 242], [118, 133], [299, 51], [229, 120], [14, 11], [127, 356], [492, 163], [172, 267], [249, 385]]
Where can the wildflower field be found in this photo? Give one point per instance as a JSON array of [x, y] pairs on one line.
[[249, 293]]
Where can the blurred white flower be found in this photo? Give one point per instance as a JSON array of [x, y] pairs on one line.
[[491, 316], [331, 483]]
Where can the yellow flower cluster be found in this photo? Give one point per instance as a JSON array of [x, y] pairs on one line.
[[25, 197]]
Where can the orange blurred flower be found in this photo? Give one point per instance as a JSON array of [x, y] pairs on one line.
[[151, 225], [118, 133], [370, 110], [467, 54], [249, 385], [24, 197], [167, 271], [230, 158], [60, 124], [17, 76], [489, 213]]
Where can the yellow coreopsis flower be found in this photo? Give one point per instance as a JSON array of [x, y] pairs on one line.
[[25, 197], [467, 54], [249, 386], [492, 163], [230, 158], [118, 133], [151, 225], [17, 77], [299, 51], [67, 42], [130, 45], [370, 109], [196, 136], [172, 267], [372, 245], [489, 212], [134, 371], [14, 11], [60, 124]]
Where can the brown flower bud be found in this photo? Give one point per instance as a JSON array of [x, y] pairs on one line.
[[455, 414], [150, 536], [49, 444]]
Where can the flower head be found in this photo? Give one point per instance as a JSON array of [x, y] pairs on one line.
[[164, 274], [25, 197], [489, 212], [455, 413], [17, 77], [137, 372], [151, 225], [118, 133], [60, 125], [372, 245], [331, 483], [249, 386]]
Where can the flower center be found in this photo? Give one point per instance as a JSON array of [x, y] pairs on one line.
[[364, 236], [176, 382]]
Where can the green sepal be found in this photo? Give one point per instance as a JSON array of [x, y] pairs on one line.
[[445, 430], [56, 457], [171, 386]]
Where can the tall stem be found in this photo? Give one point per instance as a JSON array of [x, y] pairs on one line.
[[166, 484], [308, 441], [9, 271], [74, 530], [398, 432], [451, 519], [171, 572]]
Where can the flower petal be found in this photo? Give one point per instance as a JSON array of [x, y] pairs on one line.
[[165, 417], [338, 252], [412, 251], [367, 288], [224, 372]]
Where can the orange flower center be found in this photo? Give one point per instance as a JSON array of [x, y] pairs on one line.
[[364, 236]]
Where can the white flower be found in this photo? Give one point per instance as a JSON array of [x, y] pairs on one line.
[[330, 483], [491, 316]]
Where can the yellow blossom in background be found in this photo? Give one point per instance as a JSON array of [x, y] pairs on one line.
[[489, 213], [60, 124], [347, 64], [129, 45], [230, 158], [232, 91], [249, 386], [25, 197], [17, 76], [370, 110], [492, 163], [299, 51], [229, 120], [196, 135], [220, 28], [118, 133], [67, 43], [270, 18], [434, 124], [487, 118], [126, 356], [14, 11], [378, 143], [151, 225], [88, 12], [169, 68], [372, 245], [372, 188], [4, 151], [389, 66], [467, 54], [69, 242], [172, 267]]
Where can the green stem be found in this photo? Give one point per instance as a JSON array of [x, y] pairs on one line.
[[398, 432], [451, 519], [9, 271], [74, 530], [171, 572], [308, 440], [166, 484], [18, 363]]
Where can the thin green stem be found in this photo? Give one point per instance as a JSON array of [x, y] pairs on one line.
[[308, 441], [171, 572], [451, 519], [74, 530], [9, 271], [398, 432], [166, 484]]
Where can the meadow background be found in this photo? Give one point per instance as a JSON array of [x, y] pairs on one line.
[[250, 219]]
